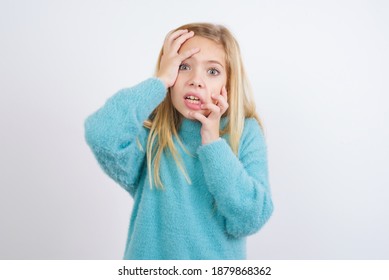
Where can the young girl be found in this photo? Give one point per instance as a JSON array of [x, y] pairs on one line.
[[188, 146]]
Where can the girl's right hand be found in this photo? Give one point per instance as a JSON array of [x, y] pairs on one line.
[[171, 59]]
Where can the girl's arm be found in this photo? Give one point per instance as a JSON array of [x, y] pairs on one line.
[[116, 135], [240, 186]]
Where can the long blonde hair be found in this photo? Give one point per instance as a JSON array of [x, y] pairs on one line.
[[165, 120]]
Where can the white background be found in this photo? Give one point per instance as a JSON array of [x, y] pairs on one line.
[[320, 73]]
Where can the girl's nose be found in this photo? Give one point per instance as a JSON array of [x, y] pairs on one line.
[[196, 83], [196, 79]]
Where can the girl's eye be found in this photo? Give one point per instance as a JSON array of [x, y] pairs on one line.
[[213, 71], [184, 67]]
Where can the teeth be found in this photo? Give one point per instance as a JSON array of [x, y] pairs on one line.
[[191, 97]]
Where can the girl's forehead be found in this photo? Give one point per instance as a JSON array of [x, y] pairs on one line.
[[208, 48]]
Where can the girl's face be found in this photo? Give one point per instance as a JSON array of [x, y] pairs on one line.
[[199, 76]]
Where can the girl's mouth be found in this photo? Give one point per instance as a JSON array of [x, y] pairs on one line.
[[192, 99], [192, 102]]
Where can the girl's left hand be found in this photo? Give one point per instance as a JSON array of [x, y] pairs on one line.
[[211, 123]]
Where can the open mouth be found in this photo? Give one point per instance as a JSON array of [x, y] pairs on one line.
[[192, 99]]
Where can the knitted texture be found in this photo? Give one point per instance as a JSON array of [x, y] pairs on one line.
[[227, 200]]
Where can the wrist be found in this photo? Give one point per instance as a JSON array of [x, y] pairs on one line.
[[209, 141], [163, 81]]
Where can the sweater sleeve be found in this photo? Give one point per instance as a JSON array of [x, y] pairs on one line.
[[239, 185], [115, 132]]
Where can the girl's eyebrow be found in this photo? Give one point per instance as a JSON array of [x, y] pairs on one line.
[[215, 61], [206, 62]]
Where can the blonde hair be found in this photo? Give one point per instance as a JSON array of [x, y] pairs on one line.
[[165, 120]]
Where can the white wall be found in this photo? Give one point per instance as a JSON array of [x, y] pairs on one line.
[[320, 72]]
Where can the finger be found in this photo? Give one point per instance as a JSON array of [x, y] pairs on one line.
[[214, 111], [221, 101], [176, 45], [212, 107], [224, 92], [200, 117], [172, 35], [188, 53]]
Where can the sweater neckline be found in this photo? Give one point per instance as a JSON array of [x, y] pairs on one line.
[[190, 126]]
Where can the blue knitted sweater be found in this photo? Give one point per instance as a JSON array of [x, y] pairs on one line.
[[229, 197]]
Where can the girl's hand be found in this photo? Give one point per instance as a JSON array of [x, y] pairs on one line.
[[171, 59], [211, 123]]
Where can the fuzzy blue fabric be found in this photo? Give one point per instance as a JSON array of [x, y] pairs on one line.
[[229, 196]]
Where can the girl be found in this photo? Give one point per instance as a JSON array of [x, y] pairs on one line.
[[188, 146]]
